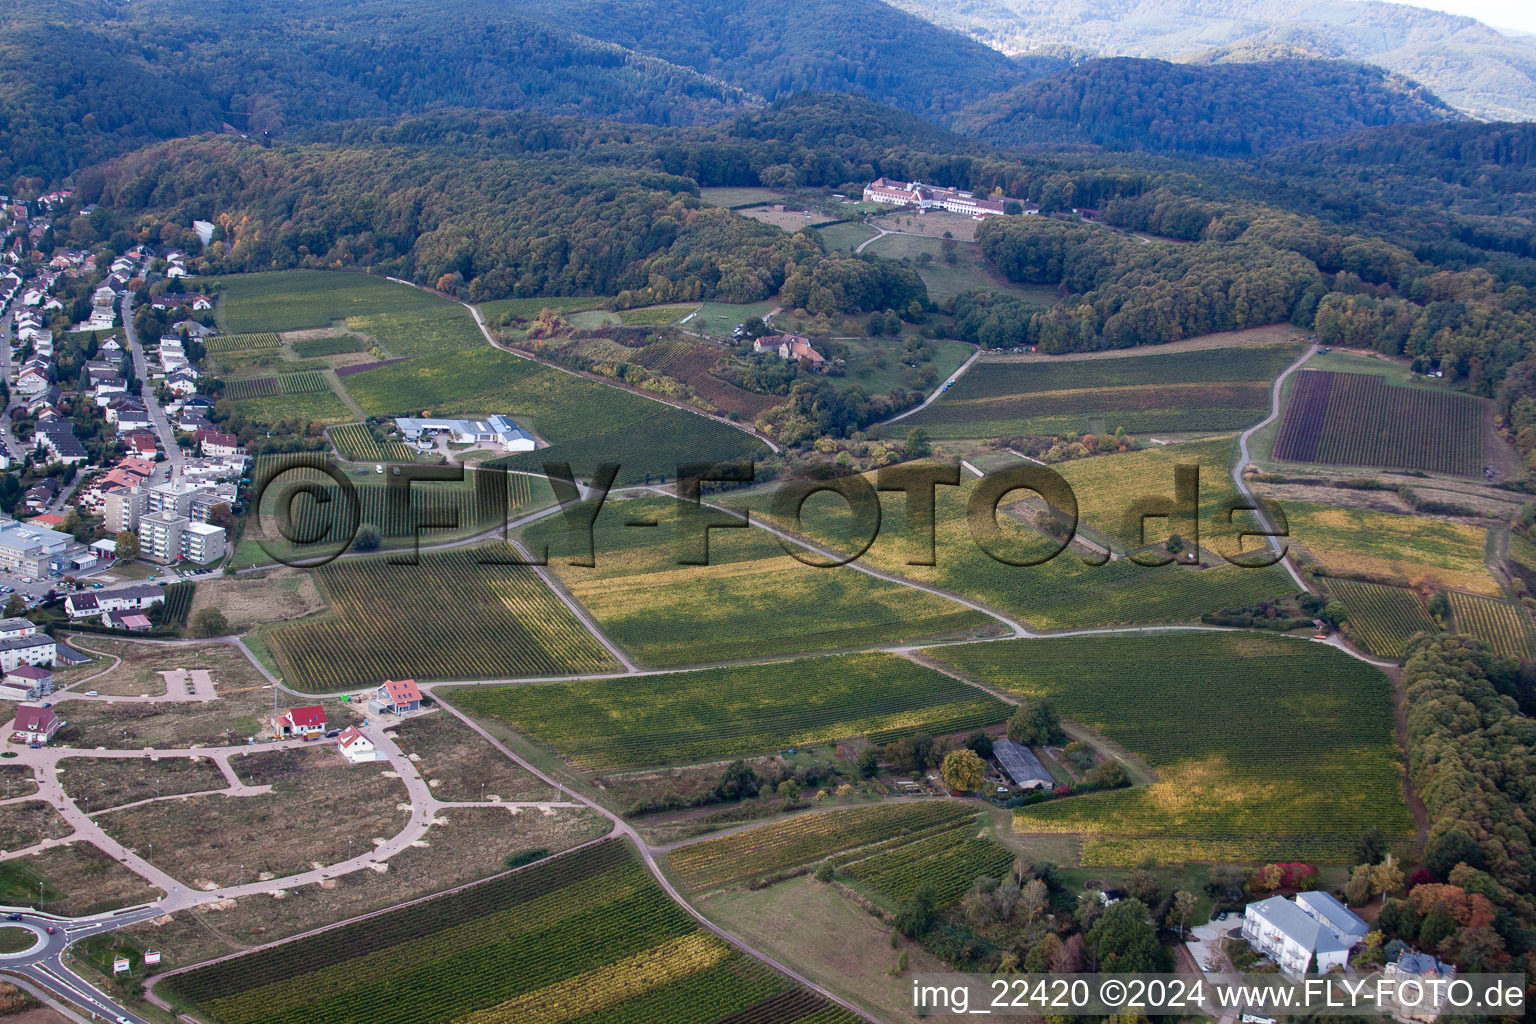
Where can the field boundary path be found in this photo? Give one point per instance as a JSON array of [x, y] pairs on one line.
[[943, 386], [1243, 458]]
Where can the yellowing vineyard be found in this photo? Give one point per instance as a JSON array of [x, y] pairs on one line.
[[585, 936], [1503, 626]]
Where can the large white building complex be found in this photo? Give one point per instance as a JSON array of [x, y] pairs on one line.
[[497, 430], [937, 197]]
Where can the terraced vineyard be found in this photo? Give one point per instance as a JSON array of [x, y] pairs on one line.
[[1265, 747], [1355, 419], [1212, 390], [948, 858], [606, 724], [751, 599], [249, 387], [792, 842], [355, 444], [241, 342], [585, 936], [395, 622], [1382, 618], [1503, 626], [305, 382]]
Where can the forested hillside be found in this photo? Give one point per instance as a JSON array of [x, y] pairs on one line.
[[87, 79], [1218, 109], [1466, 63]]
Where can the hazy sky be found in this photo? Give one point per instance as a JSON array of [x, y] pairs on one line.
[[1506, 14]]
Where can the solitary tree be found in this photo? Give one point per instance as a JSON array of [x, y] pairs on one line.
[[210, 622], [126, 545], [1181, 911], [963, 770], [917, 444], [1386, 876], [368, 538]]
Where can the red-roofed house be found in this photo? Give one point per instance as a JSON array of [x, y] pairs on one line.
[[131, 621], [306, 721], [35, 724], [213, 442], [49, 519], [356, 747], [142, 443], [398, 696]]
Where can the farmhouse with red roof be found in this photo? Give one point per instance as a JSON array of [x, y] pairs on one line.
[[306, 721], [356, 747]]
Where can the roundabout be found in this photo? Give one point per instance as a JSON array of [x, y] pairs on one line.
[[19, 940]]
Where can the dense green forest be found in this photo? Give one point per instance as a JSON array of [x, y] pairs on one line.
[[1470, 755], [1219, 109], [89, 79]]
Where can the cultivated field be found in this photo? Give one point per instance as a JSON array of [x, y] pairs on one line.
[[608, 724], [1220, 390], [1503, 626], [241, 388], [1381, 546], [327, 345], [355, 444], [1360, 420], [294, 299], [807, 838], [946, 858], [1382, 618], [1061, 593], [752, 599], [1266, 747], [242, 342], [392, 622], [585, 936], [439, 507], [745, 196]]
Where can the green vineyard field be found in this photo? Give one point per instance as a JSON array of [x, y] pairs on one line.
[[240, 389], [1503, 626], [1265, 746], [239, 342], [947, 860], [1226, 389], [307, 382], [752, 597], [389, 621], [1355, 419], [584, 936], [780, 845], [355, 444], [1382, 618], [606, 724]]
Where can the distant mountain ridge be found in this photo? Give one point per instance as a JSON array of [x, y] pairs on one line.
[[1466, 63], [1203, 109]]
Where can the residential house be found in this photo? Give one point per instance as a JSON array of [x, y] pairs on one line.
[[135, 622], [306, 721], [1292, 937], [356, 747], [35, 724], [397, 696], [139, 597], [215, 443]]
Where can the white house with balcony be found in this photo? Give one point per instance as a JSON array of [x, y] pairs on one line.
[[1292, 933]]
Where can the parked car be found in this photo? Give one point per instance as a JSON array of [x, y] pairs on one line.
[[332, 734], [92, 693]]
